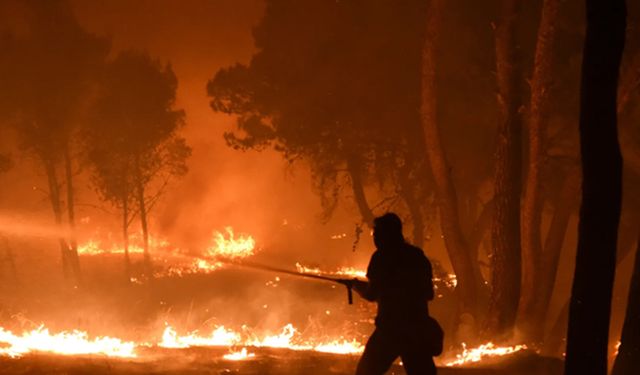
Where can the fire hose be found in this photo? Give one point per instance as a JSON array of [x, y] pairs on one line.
[[348, 283]]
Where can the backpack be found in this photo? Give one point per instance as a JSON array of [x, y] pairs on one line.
[[435, 337]]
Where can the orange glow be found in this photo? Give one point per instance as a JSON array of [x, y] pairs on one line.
[[67, 343]]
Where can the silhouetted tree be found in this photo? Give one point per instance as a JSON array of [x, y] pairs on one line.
[[51, 70], [339, 93], [535, 291], [505, 280], [455, 241], [133, 142], [588, 333]]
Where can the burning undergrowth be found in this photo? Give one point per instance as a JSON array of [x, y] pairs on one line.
[[200, 300]]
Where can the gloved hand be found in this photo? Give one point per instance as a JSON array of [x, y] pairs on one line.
[[360, 286]]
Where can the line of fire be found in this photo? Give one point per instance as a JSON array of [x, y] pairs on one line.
[[320, 187]]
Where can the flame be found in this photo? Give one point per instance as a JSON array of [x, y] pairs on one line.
[[341, 346], [74, 342], [225, 245], [288, 338], [481, 352], [239, 356], [95, 246], [197, 266], [219, 337], [283, 340], [241, 247]]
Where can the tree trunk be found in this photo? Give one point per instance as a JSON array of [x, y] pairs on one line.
[[628, 359], [590, 308], [483, 223], [415, 210], [553, 343], [407, 191], [125, 237], [74, 260], [143, 219], [355, 173], [505, 288], [145, 226], [532, 206], [551, 252], [446, 194], [54, 198], [629, 85]]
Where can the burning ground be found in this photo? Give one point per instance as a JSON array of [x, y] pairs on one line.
[[205, 314]]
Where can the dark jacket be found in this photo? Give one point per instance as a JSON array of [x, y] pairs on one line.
[[400, 281]]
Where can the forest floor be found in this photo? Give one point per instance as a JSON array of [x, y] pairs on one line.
[[265, 362], [234, 298]]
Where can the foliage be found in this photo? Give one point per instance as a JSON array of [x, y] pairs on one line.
[[132, 136], [331, 81], [47, 100]]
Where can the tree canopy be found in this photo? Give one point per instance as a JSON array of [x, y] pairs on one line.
[[341, 88]]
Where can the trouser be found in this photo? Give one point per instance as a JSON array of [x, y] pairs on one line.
[[385, 345]]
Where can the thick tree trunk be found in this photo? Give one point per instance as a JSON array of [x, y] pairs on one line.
[[590, 308], [483, 224], [73, 242], [54, 198], [355, 173], [532, 206], [628, 359], [505, 288], [446, 194]]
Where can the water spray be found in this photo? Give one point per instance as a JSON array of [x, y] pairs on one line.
[[348, 283]]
